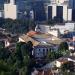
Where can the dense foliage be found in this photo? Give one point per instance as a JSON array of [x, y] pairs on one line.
[[17, 26], [18, 62], [62, 50]]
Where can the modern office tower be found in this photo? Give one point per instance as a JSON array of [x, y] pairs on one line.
[[73, 14], [65, 12], [72, 4], [69, 14], [58, 11], [54, 11], [39, 11], [51, 11], [10, 10]]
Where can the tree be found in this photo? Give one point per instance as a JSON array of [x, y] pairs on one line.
[[18, 25], [63, 48], [17, 62], [4, 52], [30, 48], [53, 55]]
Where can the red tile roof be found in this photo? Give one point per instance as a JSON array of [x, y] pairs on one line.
[[31, 33]]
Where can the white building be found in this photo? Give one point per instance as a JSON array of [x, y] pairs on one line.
[[63, 27], [53, 11], [10, 10], [69, 14], [59, 8], [55, 30], [65, 12], [47, 30]]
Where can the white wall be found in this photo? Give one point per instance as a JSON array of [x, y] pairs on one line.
[[42, 28], [65, 12], [66, 26], [69, 14], [10, 11], [53, 11]]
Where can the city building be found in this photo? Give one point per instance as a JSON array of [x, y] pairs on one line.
[[69, 14], [65, 14], [39, 11], [73, 14], [61, 12], [56, 29], [10, 10], [51, 11], [47, 30], [42, 43], [72, 4], [63, 27]]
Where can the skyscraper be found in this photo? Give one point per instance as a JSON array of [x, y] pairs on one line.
[[72, 4], [39, 11], [59, 12], [10, 10]]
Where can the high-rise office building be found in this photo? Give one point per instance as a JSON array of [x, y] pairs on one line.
[[39, 11], [60, 12], [73, 14], [49, 12], [69, 14], [72, 4], [10, 10]]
